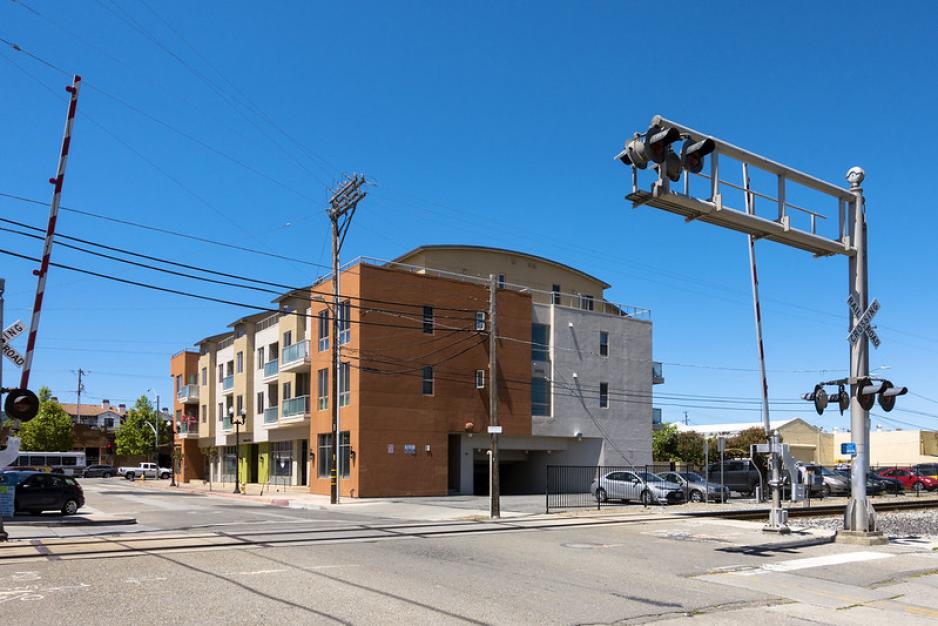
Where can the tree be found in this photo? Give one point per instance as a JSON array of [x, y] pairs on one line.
[[689, 447], [746, 438], [134, 437], [664, 442], [51, 430]]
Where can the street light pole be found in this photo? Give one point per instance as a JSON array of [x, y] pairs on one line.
[[237, 421]]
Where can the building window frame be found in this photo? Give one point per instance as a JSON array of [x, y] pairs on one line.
[[260, 358], [480, 379], [322, 389], [427, 320], [604, 395], [239, 360], [345, 384], [204, 376], [480, 320], [323, 334], [345, 322], [540, 342], [260, 403], [426, 380], [555, 294], [603, 343]]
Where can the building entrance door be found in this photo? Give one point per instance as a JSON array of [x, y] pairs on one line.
[[303, 463], [454, 455], [252, 464]]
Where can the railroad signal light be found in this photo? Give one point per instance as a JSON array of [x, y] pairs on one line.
[[866, 392], [658, 142], [818, 397], [21, 404], [842, 398], [887, 397], [693, 153]]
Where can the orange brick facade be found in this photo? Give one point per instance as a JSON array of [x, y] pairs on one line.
[[184, 367]]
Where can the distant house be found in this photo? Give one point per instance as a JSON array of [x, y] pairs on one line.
[[94, 429], [807, 443], [101, 416]]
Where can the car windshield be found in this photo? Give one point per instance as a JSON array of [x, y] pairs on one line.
[[650, 477], [693, 477]]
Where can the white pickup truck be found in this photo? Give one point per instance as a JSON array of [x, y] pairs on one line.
[[144, 470]]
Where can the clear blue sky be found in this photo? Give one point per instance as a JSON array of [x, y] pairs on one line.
[[485, 123]]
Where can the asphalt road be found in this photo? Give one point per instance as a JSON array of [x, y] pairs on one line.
[[516, 572]]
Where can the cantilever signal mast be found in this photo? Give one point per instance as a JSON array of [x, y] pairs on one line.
[[342, 207]]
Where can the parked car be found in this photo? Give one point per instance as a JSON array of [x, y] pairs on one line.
[[696, 488], [739, 475], [927, 469], [144, 470], [95, 471], [40, 491], [890, 485], [644, 486], [875, 484], [910, 479], [834, 483]]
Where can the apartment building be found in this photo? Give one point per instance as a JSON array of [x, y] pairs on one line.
[[574, 380]]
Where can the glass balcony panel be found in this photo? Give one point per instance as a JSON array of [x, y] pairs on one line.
[[296, 406]]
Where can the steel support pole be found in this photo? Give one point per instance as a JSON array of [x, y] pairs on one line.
[[494, 484], [334, 452], [859, 516]]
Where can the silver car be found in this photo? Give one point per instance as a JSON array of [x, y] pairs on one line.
[[696, 488], [638, 485]]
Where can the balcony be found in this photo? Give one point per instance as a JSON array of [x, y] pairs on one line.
[[295, 358], [187, 427], [657, 374], [296, 409], [270, 370], [270, 415], [227, 384], [188, 393], [226, 423]]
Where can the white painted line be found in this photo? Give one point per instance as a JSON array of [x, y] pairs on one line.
[[824, 561], [255, 572]]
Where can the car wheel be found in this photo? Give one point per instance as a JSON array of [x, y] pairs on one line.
[[646, 498], [106, 475], [70, 507], [164, 475], [129, 475], [696, 496], [826, 491], [918, 487], [601, 495]]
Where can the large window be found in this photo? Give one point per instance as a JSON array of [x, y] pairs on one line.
[[345, 387], [323, 334], [281, 460], [287, 391], [603, 343], [345, 322], [322, 389], [228, 464], [540, 396], [324, 460], [427, 380], [586, 302], [604, 395], [540, 342], [428, 320]]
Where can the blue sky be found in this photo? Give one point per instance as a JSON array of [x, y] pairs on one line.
[[484, 123]]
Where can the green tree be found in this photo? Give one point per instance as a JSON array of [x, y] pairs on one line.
[[664, 442], [134, 437], [689, 447], [51, 430]]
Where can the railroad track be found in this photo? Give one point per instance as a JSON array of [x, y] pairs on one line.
[[825, 509]]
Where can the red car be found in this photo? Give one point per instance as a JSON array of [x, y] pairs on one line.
[[910, 479]]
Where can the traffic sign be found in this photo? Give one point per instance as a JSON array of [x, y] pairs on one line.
[[863, 323], [848, 448], [11, 332], [11, 353], [495, 430]]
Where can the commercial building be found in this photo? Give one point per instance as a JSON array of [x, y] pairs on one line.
[[807, 442], [574, 380], [894, 447]]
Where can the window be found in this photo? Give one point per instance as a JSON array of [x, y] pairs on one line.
[[501, 281], [178, 383], [287, 388], [345, 393], [345, 322], [240, 407], [323, 330], [221, 411], [480, 320], [109, 422], [324, 462], [586, 302], [240, 358], [204, 375], [221, 373], [428, 320], [260, 401], [480, 379], [287, 339], [540, 342], [322, 389], [281, 455], [204, 413], [555, 294], [260, 358], [427, 381], [540, 396], [603, 343], [604, 395]]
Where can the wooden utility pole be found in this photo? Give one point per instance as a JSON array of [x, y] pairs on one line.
[[494, 428], [342, 206], [81, 373]]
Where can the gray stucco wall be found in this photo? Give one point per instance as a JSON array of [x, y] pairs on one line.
[[625, 426]]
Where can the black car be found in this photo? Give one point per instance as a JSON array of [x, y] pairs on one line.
[[738, 475], [96, 471], [40, 491], [876, 484]]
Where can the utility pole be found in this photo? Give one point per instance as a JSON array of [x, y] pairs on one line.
[[342, 207], [50, 230], [686, 421], [81, 387], [494, 428]]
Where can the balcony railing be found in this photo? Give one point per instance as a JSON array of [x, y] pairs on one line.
[[297, 353], [271, 368], [657, 373], [187, 393], [270, 415], [295, 407], [187, 426], [227, 383]]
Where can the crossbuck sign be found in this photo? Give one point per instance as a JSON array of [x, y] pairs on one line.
[[863, 323], [11, 332]]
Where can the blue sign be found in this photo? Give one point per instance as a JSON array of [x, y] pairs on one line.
[[848, 448], [7, 495]]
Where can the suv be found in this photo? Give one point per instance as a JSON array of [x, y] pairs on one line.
[[92, 471], [739, 475]]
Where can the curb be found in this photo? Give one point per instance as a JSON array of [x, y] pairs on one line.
[[114, 521]]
